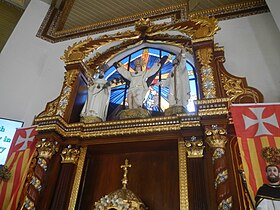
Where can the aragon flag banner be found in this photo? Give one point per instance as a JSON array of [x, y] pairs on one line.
[[258, 134], [18, 161]]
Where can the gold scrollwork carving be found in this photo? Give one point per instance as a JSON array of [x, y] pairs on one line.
[[46, 149], [208, 26], [50, 109], [216, 137], [235, 87], [225, 204], [74, 52], [70, 155], [28, 204], [194, 147]]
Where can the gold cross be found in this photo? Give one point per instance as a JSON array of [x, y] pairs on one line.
[[124, 179]]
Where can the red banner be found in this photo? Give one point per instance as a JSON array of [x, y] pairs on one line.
[[257, 127], [18, 161]]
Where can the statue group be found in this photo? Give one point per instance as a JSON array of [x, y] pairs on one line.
[[97, 102]]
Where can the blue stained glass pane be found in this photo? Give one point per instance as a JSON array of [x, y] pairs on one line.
[[153, 51], [125, 60], [164, 53]]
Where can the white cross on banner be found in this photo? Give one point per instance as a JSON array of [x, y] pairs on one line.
[[18, 161], [257, 128]]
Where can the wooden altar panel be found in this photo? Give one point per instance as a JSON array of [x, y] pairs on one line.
[[154, 175]]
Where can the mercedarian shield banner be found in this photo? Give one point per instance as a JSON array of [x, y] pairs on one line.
[[18, 161], [258, 134]]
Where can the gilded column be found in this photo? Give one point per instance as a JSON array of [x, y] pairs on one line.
[[45, 150], [217, 139]]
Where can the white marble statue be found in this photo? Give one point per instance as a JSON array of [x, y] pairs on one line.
[[178, 81], [97, 102]]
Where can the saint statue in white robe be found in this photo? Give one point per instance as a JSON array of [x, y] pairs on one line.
[[178, 82], [97, 102]]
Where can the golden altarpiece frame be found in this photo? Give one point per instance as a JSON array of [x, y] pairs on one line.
[[184, 161]]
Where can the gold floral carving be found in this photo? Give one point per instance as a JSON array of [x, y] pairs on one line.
[[235, 87], [205, 56], [46, 149], [216, 137], [221, 178], [69, 79], [77, 179], [50, 109], [271, 155], [183, 177], [225, 204], [194, 147], [208, 27], [70, 155]]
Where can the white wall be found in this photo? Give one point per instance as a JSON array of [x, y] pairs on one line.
[[32, 72], [252, 50]]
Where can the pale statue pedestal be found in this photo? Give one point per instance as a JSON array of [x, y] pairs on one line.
[[174, 110], [134, 113], [90, 119]]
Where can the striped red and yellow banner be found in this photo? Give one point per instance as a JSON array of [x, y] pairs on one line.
[[256, 127], [18, 161]]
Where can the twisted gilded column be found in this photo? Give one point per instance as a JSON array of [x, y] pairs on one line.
[[217, 139], [45, 150]]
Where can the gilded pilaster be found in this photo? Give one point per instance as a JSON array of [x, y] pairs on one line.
[[216, 138], [183, 178]]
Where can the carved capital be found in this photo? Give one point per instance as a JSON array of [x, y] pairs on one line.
[[194, 147], [70, 155], [216, 137], [46, 149]]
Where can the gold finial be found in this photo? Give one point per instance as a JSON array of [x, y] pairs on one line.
[[124, 179]]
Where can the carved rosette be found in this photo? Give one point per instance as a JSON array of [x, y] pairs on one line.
[[194, 147], [45, 150], [205, 56], [217, 139], [70, 155]]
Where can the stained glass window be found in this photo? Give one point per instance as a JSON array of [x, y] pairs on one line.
[[156, 98]]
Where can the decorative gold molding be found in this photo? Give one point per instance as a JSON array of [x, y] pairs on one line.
[[183, 176], [233, 10], [77, 179], [46, 149], [216, 137], [70, 155], [194, 147]]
